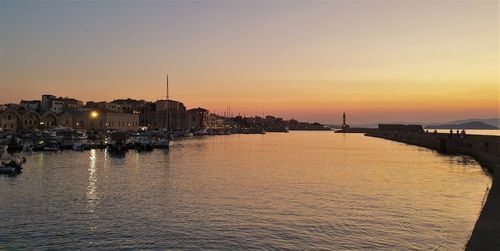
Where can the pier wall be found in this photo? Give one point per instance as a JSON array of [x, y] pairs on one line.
[[486, 150]]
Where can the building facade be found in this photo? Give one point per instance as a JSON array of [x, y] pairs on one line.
[[88, 119], [129, 105], [30, 104], [197, 119], [59, 105], [12, 120], [166, 114], [9, 120]]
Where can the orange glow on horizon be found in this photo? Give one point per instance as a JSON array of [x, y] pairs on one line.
[[438, 60]]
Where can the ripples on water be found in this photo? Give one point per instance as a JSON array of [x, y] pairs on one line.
[[302, 190]]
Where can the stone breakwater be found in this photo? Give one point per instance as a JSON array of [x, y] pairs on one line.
[[486, 150]]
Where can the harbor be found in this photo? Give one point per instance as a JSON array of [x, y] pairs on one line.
[[486, 150], [286, 190], [249, 125]]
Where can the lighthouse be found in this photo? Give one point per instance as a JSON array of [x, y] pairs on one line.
[[344, 125]]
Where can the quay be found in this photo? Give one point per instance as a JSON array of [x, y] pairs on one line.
[[356, 130], [486, 150]]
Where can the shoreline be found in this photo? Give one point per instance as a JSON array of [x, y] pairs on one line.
[[485, 150]]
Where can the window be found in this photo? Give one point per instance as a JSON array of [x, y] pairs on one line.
[[8, 117]]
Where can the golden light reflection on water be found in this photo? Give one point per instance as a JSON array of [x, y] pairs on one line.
[[92, 196]]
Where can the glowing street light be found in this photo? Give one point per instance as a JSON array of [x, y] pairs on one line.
[[94, 114]]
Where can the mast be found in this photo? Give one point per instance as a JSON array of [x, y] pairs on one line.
[[168, 109]]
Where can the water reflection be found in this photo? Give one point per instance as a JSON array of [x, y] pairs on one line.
[[92, 196], [105, 158], [302, 190]]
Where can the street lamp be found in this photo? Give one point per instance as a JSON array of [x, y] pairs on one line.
[[94, 114]]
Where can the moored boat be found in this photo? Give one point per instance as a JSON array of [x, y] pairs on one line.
[[13, 166]]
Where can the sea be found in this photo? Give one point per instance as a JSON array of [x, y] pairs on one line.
[[297, 190]]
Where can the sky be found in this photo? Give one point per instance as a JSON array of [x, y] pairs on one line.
[[378, 61]]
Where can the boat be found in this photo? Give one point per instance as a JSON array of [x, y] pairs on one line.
[[118, 142], [51, 147], [13, 166], [69, 133], [79, 146], [162, 143], [143, 144], [201, 132]]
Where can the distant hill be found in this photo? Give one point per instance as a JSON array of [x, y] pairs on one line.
[[468, 125], [493, 121]]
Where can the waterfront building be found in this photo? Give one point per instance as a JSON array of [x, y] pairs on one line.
[[197, 118], [59, 105], [215, 121], [66, 120], [71, 103], [30, 120], [166, 114], [30, 104], [16, 120], [49, 119], [46, 101], [295, 125], [56, 106], [9, 119], [102, 119], [274, 124], [104, 105], [129, 105]]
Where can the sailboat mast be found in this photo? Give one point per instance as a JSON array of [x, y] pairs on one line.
[[168, 109]]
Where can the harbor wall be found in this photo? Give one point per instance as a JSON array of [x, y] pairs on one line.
[[486, 150], [356, 130]]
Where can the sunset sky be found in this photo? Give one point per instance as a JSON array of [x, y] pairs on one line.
[[379, 61]]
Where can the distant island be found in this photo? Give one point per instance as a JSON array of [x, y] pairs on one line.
[[469, 125]]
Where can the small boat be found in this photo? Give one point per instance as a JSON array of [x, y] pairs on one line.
[[51, 147], [79, 146], [201, 132], [162, 143], [12, 166], [118, 142], [143, 144]]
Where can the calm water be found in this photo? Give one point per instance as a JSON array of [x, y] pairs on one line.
[[302, 190]]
